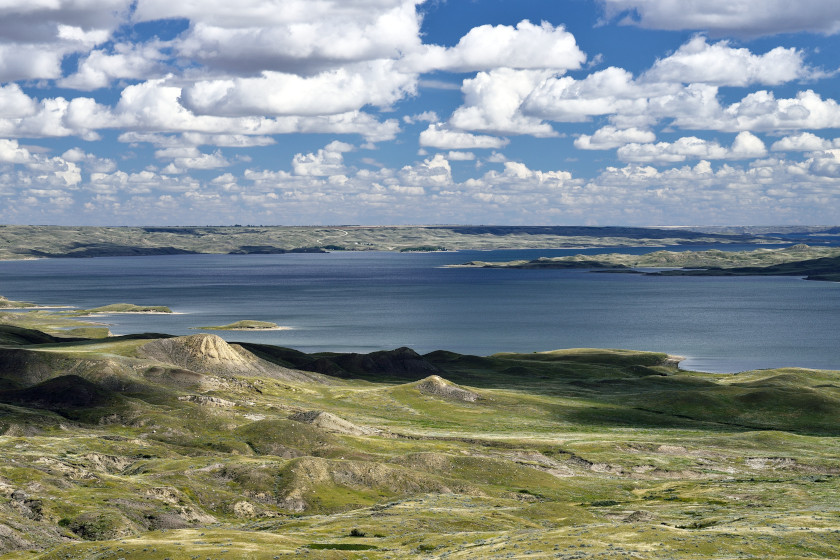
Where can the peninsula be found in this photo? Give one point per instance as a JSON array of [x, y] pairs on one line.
[[814, 263], [245, 325]]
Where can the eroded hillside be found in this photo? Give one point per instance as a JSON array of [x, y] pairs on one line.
[[190, 447]]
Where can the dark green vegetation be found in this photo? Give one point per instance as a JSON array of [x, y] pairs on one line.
[[154, 447], [423, 249], [22, 242], [815, 263], [121, 308], [826, 268]]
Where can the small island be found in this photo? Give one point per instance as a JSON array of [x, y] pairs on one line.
[[423, 249], [246, 325], [122, 308]]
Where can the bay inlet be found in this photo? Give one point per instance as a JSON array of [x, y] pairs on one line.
[[366, 301]]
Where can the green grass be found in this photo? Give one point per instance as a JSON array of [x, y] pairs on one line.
[[124, 308], [6, 303], [573, 453]]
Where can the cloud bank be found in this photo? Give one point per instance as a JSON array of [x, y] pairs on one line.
[[362, 111]]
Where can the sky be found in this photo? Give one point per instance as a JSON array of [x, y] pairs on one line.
[[387, 112]]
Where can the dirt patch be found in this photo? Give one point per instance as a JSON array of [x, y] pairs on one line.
[[332, 423], [428, 461], [207, 401], [244, 509], [11, 540], [107, 463], [672, 449], [302, 475], [638, 517], [439, 387], [65, 470], [537, 460], [19, 430], [165, 494], [770, 462]]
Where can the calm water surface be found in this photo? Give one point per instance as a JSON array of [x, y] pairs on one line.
[[365, 301]]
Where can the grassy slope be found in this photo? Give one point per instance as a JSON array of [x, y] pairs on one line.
[[60, 323], [577, 453]]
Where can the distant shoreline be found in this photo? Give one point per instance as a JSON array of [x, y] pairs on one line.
[[39, 242], [812, 263], [279, 328]]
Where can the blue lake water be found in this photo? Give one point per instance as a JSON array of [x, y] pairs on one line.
[[365, 301]]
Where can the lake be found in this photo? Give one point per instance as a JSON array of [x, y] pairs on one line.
[[365, 301]]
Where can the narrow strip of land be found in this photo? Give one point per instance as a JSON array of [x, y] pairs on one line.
[[28, 242], [815, 263]]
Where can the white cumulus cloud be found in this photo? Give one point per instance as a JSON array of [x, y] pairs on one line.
[[612, 90], [745, 146], [460, 156], [289, 36], [493, 103], [526, 46], [36, 35], [12, 152], [330, 92], [738, 17], [100, 68], [190, 158], [609, 137], [762, 111], [720, 64], [438, 136], [433, 172], [325, 162], [804, 142]]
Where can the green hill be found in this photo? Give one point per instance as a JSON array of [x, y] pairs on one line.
[[191, 447]]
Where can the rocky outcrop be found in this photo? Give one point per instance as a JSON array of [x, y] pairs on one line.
[[12, 540], [208, 401], [332, 423], [302, 475], [439, 387], [209, 353]]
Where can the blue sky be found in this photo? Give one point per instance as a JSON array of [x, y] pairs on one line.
[[296, 112]]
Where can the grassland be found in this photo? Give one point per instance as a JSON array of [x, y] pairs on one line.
[[118, 308], [817, 263], [149, 447], [26, 242], [6, 303]]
